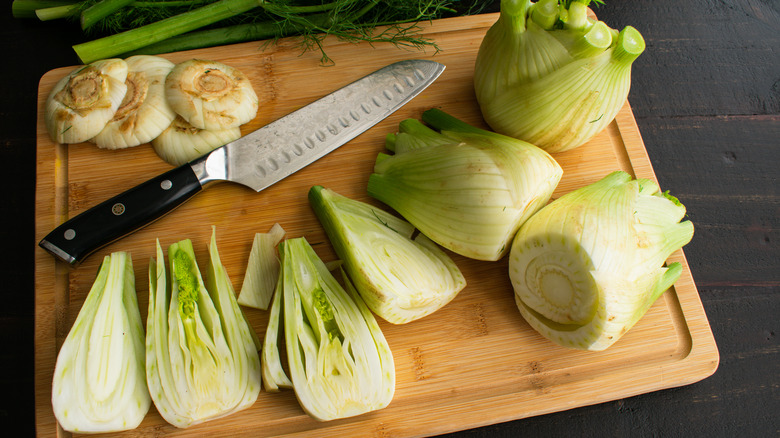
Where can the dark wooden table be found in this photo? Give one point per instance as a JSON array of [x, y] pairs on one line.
[[706, 96]]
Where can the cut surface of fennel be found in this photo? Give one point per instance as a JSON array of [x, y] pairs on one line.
[[400, 277], [589, 265], [340, 364], [99, 383], [202, 357]]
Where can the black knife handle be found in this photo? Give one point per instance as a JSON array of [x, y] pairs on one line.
[[110, 220]]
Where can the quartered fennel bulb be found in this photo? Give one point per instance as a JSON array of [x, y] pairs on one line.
[[589, 265], [202, 358], [181, 142], [82, 102], [340, 364], [99, 382], [548, 74], [211, 95], [400, 277], [467, 189], [144, 112]]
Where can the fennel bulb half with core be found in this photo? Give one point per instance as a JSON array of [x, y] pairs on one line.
[[465, 188], [589, 265], [400, 277], [99, 382], [340, 364], [202, 359], [548, 74]]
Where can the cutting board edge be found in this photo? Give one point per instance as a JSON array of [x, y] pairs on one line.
[[702, 357]]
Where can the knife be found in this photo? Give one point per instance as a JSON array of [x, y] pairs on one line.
[[257, 160]]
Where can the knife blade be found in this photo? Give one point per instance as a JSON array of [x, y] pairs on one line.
[[256, 160]]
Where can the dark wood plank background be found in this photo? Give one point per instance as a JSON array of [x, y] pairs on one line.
[[706, 96]]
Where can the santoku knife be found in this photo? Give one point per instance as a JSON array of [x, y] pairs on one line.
[[256, 160]]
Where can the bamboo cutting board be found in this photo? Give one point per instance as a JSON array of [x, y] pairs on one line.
[[473, 363]]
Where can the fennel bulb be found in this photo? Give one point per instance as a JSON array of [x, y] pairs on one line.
[[99, 383], [399, 277], [467, 189], [589, 265], [548, 74], [144, 113], [202, 358], [211, 95], [339, 361], [82, 102]]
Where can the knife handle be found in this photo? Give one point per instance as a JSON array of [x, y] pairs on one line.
[[110, 220]]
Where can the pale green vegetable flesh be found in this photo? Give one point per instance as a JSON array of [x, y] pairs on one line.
[[465, 188], [589, 265], [262, 269], [99, 383], [400, 277], [339, 361], [548, 74], [202, 358]]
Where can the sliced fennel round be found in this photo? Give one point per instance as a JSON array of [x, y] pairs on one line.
[[81, 103], [589, 265], [99, 384], [181, 142], [340, 364], [467, 189], [399, 277], [202, 357], [144, 112], [211, 95], [548, 74]]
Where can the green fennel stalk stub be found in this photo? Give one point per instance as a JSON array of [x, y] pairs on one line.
[[465, 188], [590, 264], [549, 74]]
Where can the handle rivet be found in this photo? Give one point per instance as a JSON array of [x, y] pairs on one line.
[[166, 184], [70, 233], [118, 209]]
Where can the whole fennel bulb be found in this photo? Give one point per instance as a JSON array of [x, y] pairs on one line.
[[548, 74]]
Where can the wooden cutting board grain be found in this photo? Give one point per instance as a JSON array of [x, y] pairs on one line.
[[474, 362]]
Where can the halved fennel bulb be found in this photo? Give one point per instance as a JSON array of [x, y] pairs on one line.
[[589, 265], [99, 382], [467, 189], [202, 358], [144, 112], [82, 102], [340, 364], [548, 74], [400, 277]]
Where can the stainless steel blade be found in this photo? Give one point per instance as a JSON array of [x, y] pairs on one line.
[[285, 146]]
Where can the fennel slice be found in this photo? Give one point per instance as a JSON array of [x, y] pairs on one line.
[[181, 142], [82, 102], [144, 112], [211, 95], [262, 270]]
